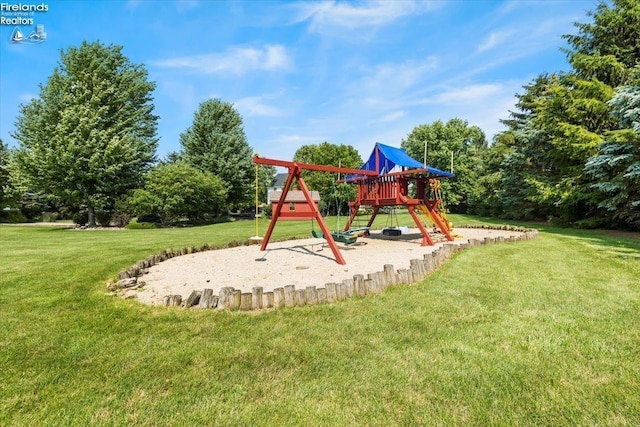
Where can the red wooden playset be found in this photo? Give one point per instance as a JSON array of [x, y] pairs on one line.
[[383, 181]]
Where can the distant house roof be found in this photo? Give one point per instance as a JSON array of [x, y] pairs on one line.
[[280, 180], [293, 196]]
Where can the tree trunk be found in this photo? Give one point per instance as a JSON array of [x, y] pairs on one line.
[[91, 216]]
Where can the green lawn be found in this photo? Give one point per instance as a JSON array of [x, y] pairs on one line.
[[541, 332]]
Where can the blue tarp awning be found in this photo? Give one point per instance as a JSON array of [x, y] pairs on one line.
[[384, 158]]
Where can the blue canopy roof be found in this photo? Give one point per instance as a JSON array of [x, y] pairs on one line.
[[390, 157]]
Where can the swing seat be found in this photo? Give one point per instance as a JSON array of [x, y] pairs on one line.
[[391, 231], [347, 239], [338, 236], [358, 232]]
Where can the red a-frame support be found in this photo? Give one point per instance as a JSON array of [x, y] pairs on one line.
[[295, 173], [393, 190]]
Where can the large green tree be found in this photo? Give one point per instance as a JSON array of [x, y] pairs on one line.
[[90, 136], [175, 190], [335, 196], [617, 165], [441, 143], [216, 143], [562, 120]]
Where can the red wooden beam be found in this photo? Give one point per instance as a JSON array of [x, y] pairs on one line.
[[309, 166]]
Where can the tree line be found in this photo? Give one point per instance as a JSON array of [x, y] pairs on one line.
[[570, 152], [87, 149]]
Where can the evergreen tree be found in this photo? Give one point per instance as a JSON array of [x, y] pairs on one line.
[[562, 120], [216, 143], [617, 166], [90, 136]]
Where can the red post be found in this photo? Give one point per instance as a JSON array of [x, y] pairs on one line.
[[426, 239]]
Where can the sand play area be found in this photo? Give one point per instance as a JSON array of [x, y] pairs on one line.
[[302, 263]]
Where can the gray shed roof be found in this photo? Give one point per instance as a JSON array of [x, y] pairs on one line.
[[293, 196]]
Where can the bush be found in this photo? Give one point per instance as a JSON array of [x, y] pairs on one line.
[[121, 218], [31, 210], [176, 191], [135, 225], [80, 218], [103, 217], [12, 216], [151, 218], [267, 211], [49, 216]]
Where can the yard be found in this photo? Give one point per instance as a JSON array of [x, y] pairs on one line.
[[541, 332]]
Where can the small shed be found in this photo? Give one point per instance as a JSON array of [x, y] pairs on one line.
[[295, 206]]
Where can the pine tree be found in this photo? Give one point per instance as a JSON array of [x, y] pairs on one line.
[[216, 143]]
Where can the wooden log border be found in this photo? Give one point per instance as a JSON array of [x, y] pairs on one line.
[[288, 296]]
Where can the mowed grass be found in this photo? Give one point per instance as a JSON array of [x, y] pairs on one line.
[[542, 332]]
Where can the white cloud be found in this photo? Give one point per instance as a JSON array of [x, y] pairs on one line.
[[383, 85], [392, 117], [470, 94], [494, 39], [237, 60], [402, 75], [298, 140], [349, 15], [256, 106]]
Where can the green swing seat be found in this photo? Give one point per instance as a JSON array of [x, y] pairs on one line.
[[338, 236], [341, 237]]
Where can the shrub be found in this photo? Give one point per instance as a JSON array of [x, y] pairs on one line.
[[103, 217], [49, 216], [12, 216], [135, 225], [151, 218], [80, 218]]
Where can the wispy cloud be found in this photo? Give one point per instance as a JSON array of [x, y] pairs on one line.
[[257, 106], [382, 85], [494, 39], [349, 15], [392, 117], [297, 140], [471, 94], [237, 60]]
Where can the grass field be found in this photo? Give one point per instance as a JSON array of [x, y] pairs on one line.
[[541, 332]]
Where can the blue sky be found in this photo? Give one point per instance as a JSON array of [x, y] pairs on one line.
[[355, 72]]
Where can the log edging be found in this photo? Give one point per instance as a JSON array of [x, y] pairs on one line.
[[288, 296]]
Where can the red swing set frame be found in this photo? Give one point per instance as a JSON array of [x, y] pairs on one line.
[[373, 190]]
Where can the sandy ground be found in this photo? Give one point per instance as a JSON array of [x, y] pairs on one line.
[[301, 263]]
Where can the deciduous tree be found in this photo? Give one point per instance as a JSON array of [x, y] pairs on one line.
[[334, 196], [176, 190], [440, 143], [90, 136]]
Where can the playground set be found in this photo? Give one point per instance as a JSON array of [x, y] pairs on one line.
[[382, 182]]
